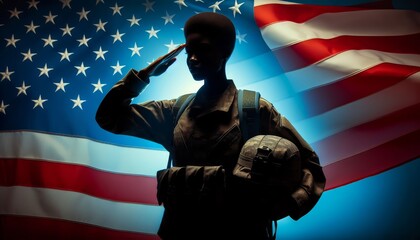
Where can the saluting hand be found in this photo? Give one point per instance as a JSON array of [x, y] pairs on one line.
[[161, 64]]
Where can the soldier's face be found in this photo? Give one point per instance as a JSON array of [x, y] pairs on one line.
[[205, 60]]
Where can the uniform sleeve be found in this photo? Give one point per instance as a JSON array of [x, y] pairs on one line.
[[312, 184], [151, 120]]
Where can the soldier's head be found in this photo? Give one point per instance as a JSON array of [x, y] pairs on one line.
[[210, 40]]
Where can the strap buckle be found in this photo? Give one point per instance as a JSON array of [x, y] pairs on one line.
[[261, 163]]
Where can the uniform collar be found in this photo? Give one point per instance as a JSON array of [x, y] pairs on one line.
[[204, 104]]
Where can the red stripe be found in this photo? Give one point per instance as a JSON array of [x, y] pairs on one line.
[[46, 174], [374, 161], [299, 13], [369, 135], [363, 84], [314, 50], [25, 227]]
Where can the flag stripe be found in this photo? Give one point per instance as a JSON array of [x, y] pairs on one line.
[[366, 4], [81, 208], [82, 151], [369, 135], [269, 11], [353, 88], [378, 159], [362, 111], [46, 228], [264, 2], [278, 12], [111, 186], [337, 67], [331, 25], [311, 51]]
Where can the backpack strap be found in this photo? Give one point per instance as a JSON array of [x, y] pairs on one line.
[[249, 113], [249, 120], [181, 104], [179, 107]]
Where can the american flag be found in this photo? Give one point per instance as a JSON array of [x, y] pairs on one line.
[[347, 78], [356, 70]]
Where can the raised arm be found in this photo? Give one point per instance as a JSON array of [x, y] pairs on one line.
[[151, 120]]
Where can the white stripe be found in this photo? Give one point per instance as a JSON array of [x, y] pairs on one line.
[[355, 23], [264, 2], [403, 94], [79, 207], [343, 66], [62, 149]]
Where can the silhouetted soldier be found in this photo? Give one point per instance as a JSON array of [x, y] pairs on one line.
[[207, 134]]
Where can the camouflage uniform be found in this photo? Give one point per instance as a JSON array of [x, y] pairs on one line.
[[208, 133]]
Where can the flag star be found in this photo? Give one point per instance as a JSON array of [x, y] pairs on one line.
[[44, 70], [31, 27], [241, 37], [67, 30], [6, 74], [66, 3], [15, 13], [28, 55], [83, 14], [134, 21], [116, 9], [100, 53], [215, 6], [39, 102], [149, 5], [78, 102], [81, 69], [135, 50], [61, 85], [171, 46], [3, 107], [199, 1], [98, 86], [23, 88], [181, 3], [100, 25], [117, 68], [99, 1], [65, 55], [152, 32], [33, 4], [235, 8], [49, 41], [168, 18], [11, 41], [50, 18], [83, 41], [117, 36]]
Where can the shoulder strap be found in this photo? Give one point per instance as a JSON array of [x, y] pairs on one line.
[[249, 120], [181, 104], [249, 113], [179, 107]]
